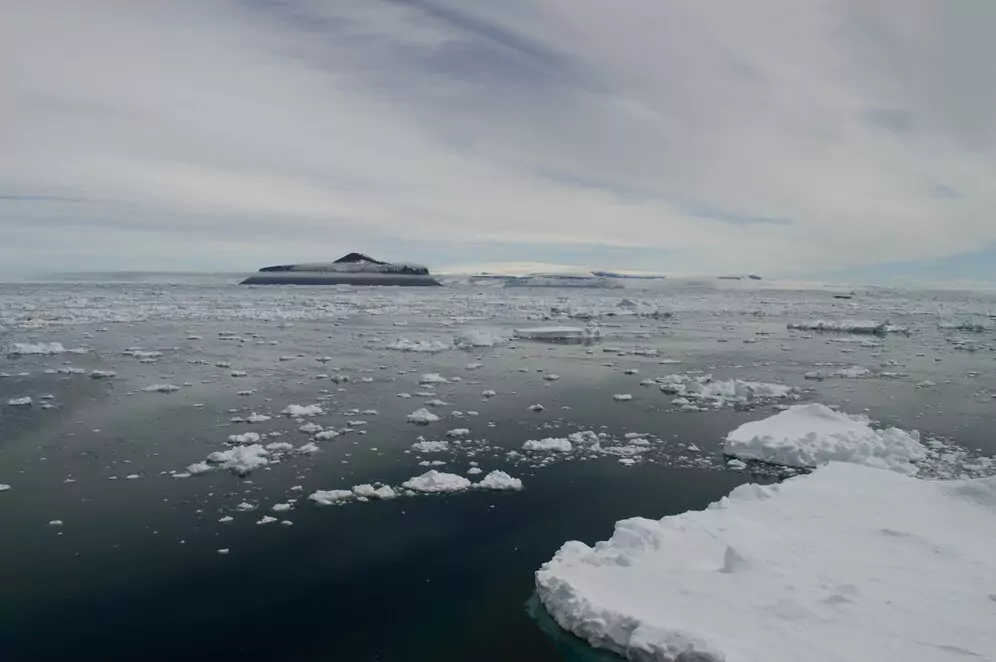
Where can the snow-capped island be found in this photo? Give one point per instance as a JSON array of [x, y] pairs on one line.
[[351, 269]]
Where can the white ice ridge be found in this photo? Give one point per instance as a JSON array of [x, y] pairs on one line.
[[813, 434], [847, 563]]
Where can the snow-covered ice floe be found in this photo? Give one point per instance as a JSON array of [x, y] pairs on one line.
[[420, 346], [161, 388], [847, 563], [435, 481], [422, 417], [479, 338], [559, 333], [848, 326], [299, 411], [813, 434], [44, 349], [695, 392]]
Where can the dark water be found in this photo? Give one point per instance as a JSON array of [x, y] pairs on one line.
[[134, 572]]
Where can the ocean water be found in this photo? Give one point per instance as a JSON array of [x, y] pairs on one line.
[[134, 571]]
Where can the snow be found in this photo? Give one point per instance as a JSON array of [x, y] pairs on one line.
[[551, 333], [499, 480], [479, 338], [22, 349], [548, 444], [330, 497], [298, 411], [241, 459], [431, 446], [435, 481], [422, 417], [848, 563], [19, 402], [368, 491], [161, 388], [813, 434], [420, 346]]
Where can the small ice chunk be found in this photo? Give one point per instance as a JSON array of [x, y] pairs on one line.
[[19, 349], [432, 378], [282, 507], [267, 520], [245, 438], [19, 402], [102, 374], [622, 397], [458, 432], [422, 417], [161, 388], [241, 459], [536, 408], [420, 346], [55, 522], [325, 435], [257, 418]]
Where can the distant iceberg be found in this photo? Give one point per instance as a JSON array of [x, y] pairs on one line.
[[563, 280], [616, 274], [351, 269]]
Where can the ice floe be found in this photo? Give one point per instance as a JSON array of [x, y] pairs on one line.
[[848, 563], [697, 391], [813, 434], [422, 417], [435, 481], [299, 411]]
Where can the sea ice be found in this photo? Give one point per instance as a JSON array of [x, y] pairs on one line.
[[432, 378], [848, 563], [813, 434], [622, 397], [422, 417], [431, 446], [420, 346], [434, 481], [161, 388], [370, 492], [245, 438], [550, 333], [548, 444], [241, 459], [298, 411], [725, 393], [19, 402], [102, 374], [21, 349], [479, 338], [257, 418], [499, 480], [330, 497]]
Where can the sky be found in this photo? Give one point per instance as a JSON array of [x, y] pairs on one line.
[[781, 137]]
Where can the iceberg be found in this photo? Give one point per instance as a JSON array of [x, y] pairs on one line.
[[434, 481], [847, 563], [351, 269], [563, 280], [813, 434]]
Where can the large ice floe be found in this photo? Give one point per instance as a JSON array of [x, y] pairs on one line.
[[813, 434], [847, 563], [699, 392]]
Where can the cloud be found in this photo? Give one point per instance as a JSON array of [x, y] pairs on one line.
[[778, 136]]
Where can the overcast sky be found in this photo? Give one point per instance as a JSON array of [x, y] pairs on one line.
[[785, 137]]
